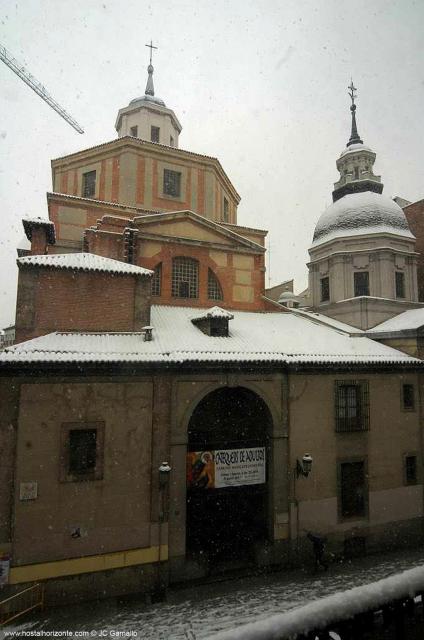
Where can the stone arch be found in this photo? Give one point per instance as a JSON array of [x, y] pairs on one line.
[[228, 503]]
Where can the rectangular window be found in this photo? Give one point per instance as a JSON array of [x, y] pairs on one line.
[[89, 184], [154, 134], [82, 451], [226, 210], [410, 469], [408, 397], [171, 141], [361, 283], [400, 284], [353, 503], [185, 278], [134, 131], [325, 289], [352, 405], [172, 183]]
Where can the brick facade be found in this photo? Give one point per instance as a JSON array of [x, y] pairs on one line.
[[415, 215]]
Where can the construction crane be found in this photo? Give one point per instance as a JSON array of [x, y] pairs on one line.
[[36, 86]]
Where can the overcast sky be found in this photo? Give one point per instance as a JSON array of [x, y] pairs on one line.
[[262, 85]]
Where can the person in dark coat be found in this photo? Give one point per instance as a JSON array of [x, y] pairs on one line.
[[318, 545]]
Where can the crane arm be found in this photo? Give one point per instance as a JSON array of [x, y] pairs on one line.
[[37, 87]]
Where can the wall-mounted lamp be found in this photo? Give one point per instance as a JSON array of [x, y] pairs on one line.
[[304, 466], [164, 471]]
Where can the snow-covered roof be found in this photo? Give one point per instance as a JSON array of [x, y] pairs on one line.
[[83, 262], [407, 321], [30, 223], [283, 338], [327, 320], [213, 312], [354, 148], [360, 214]]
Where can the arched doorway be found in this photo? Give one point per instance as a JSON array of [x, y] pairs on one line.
[[227, 475]]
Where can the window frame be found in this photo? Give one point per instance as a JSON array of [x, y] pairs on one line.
[[343, 423], [84, 184], [154, 131], [132, 134], [156, 281], [404, 407], [400, 285], [226, 210], [213, 280], [364, 515], [193, 288], [407, 481], [167, 182], [325, 278], [356, 275], [65, 473]]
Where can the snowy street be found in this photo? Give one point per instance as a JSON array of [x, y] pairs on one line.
[[198, 612]]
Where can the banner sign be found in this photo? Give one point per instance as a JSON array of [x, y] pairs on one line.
[[225, 468]]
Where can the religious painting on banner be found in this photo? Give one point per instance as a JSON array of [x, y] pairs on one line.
[[225, 468]]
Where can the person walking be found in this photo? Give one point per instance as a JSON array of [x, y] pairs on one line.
[[318, 545]]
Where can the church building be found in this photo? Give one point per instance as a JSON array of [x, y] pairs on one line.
[[162, 419]]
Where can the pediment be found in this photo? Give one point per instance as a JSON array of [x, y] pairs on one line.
[[191, 226]]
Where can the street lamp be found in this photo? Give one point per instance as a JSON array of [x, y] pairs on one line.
[[164, 471], [304, 466]]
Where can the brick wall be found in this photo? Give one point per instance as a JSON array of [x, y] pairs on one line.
[[415, 215], [56, 300]]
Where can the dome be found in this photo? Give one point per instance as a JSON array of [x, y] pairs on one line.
[[359, 146], [287, 295], [148, 98], [360, 214]]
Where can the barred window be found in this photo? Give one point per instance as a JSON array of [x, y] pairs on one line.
[[172, 183], [214, 288], [408, 397], [352, 405], [89, 184], [154, 134], [157, 280], [185, 278]]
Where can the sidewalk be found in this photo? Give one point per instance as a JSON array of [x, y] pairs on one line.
[[195, 613]]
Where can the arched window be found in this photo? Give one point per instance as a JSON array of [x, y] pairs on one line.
[[185, 278], [214, 288], [157, 280]]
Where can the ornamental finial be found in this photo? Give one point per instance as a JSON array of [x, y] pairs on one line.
[[354, 135], [150, 90]]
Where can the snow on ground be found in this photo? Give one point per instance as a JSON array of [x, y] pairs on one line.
[[197, 613]]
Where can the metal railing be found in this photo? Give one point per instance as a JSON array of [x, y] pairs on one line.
[[22, 602]]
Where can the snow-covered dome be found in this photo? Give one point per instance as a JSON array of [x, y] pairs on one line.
[[287, 295], [147, 98], [359, 146], [359, 214]]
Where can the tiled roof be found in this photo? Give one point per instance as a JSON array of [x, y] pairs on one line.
[[82, 262], [30, 223], [283, 338]]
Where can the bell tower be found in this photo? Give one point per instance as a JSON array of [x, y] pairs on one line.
[[356, 162], [148, 117]]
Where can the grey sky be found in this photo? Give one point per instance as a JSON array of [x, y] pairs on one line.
[[262, 85]]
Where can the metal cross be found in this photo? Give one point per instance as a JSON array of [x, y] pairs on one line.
[[151, 47], [351, 91]]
